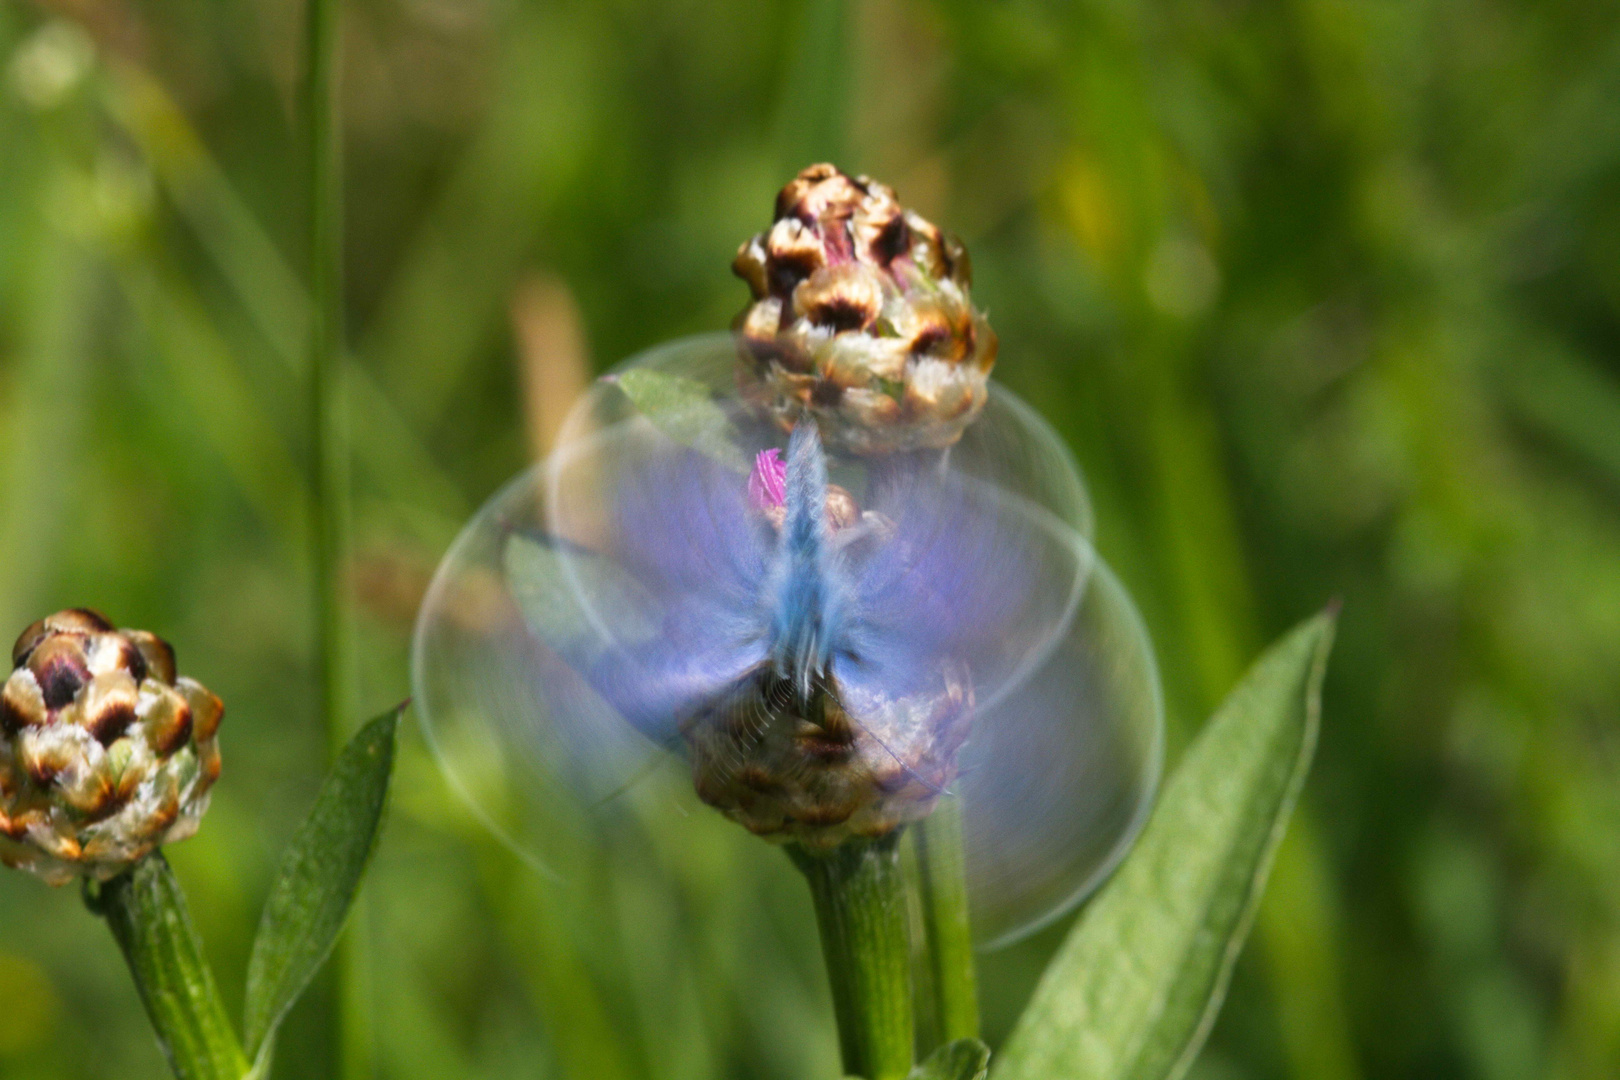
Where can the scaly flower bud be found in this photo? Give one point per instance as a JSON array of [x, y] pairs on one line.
[[861, 317], [104, 752]]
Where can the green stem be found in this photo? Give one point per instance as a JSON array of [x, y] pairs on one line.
[[813, 116], [328, 414], [328, 421], [945, 922], [146, 910], [859, 894]]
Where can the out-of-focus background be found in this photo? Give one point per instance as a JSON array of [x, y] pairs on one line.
[[1324, 294]]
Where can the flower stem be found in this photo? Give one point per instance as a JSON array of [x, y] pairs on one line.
[[146, 910], [329, 452], [945, 922], [327, 406], [859, 894]]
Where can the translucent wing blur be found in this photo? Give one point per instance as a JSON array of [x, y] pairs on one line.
[[969, 573], [598, 597], [682, 622], [676, 585]]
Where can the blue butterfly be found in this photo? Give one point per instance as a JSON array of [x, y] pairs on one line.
[[936, 573], [906, 628]]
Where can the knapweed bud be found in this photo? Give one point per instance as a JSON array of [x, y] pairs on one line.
[[861, 318], [104, 752]]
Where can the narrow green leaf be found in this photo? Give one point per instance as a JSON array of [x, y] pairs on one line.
[[1136, 986], [685, 410], [964, 1059], [320, 874], [147, 913]]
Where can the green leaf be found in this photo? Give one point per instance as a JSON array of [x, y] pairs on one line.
[[1135, 988], [964, 1059], [319, 876], [685, 410], [147, 913]]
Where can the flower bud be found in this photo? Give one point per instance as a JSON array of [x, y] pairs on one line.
[[104, 752], [861, 317], [841, 765]]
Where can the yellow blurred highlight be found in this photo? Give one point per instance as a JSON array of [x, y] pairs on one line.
[[32, 1007], [1090, 209], [51, 64]]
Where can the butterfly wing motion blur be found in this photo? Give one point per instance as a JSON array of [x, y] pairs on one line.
[[820, 663]]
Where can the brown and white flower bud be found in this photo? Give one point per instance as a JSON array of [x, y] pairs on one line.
[[838, 767], [861, 317], [105, 752]]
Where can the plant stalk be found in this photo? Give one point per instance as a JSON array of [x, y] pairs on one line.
[[328, 413], [329, 453], [948, 933], [859, 895], [146, 911]]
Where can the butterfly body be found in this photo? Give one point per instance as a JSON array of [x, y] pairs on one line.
[[808, 595]]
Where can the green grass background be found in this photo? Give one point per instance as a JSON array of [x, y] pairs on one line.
[[1325, 295]]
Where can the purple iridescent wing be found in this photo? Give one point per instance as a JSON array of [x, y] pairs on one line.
[[957, 571], [665, 574]]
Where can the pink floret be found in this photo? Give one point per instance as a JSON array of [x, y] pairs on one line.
[[767, 484]]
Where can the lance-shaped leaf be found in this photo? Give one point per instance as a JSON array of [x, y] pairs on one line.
[[319, 876], [1135, 988]]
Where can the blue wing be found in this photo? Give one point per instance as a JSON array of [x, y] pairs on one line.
[[687, 590], [671, 588], [962, 574]]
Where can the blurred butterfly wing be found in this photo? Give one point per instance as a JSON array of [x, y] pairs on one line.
[[959, 571], [1057, 776], [1062, 753], [661, 612]]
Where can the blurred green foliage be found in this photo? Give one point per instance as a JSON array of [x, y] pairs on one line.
[[1325, 294]]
